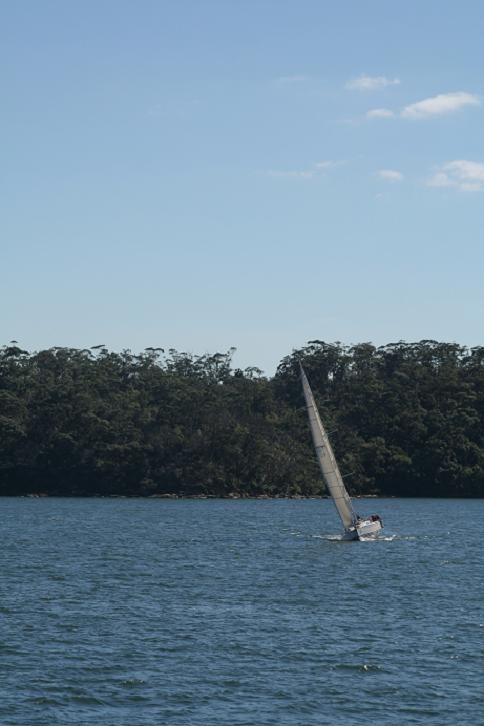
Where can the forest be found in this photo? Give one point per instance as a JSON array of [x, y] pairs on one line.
[[405, 419]]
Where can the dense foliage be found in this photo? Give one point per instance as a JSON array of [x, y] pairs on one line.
[[405, 419]]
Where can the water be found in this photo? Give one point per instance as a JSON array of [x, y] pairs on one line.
[[136, 612]]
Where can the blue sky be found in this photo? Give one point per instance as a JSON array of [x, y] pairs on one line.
[[201, 175]]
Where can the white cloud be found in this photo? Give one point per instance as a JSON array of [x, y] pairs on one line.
[[390, 175], [380, 113], [472, 170], [315, 170], [439, 105], [467, 176], [370, 83], [439, 179]]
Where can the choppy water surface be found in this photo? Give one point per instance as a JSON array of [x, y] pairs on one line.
[[137, 612]]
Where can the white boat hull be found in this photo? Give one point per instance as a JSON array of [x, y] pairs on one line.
[[365, 529], [368, 528]]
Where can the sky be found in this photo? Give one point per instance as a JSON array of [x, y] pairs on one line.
[[205, 174]]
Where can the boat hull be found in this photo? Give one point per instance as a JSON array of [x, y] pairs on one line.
[[368, 529], [365, 529]]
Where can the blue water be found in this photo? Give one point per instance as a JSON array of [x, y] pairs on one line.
[[136, 612]]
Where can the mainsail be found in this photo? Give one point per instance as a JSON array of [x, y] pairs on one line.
[[326, 458]]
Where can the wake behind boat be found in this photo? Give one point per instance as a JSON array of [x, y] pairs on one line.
[[355, 527]]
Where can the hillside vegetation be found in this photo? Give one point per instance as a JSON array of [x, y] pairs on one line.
[[405, 419]]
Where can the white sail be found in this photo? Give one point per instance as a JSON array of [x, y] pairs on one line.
[[326, 458]]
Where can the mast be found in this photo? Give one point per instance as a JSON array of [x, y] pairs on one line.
[[327, 462]]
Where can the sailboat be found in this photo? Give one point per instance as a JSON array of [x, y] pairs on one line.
[[355, 527]]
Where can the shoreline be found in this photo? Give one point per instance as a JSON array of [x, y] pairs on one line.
[[233, 497]]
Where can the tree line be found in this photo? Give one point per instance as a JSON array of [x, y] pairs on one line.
[[405, 419]]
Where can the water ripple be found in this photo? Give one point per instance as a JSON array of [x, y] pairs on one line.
[[137, 612]]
